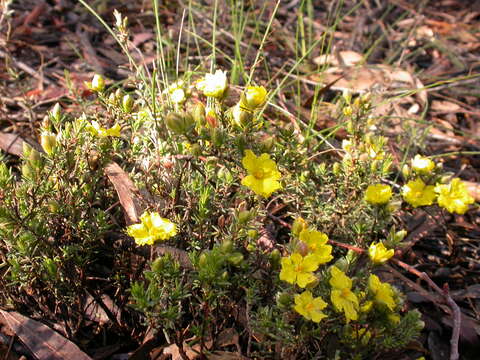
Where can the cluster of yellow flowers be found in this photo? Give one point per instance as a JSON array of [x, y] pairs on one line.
[[310, 250], [453, 196], [96, 129]]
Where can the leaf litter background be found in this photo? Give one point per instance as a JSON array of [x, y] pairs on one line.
[[410, 45]]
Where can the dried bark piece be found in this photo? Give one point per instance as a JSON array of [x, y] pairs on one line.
[[126, 191], [43, 342]]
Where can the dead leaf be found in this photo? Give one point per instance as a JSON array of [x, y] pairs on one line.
[[126, 191], [43, 342], [346, 58], [11, 143], [473, 189], [225, 355]]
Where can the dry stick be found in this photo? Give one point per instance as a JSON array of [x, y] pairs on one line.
[[26, 68]]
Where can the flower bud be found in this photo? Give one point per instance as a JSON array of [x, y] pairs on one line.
[[179, 123], [400, 235], [267, 144], [406, 171], [284, 300], [198, 113], [298, 225], [48, 141], [235, 259], [336, 168], [56, 112], [98, 83], [127, 103], [244, 216], [240, 116], [226, 246], [254, 97], [275, 258]]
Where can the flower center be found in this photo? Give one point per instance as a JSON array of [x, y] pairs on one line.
[[259, 173], [345, 292], [309, 307]]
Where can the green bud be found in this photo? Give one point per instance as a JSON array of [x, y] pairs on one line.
[[235, 259], [374, 165], [240, 116], [251, 247], [298, 225], [48, 141], [350, 127], [158, 265], [196, 150], [406, 171], [179, 123], [127, 103], [275, 258], [252, 234], [35, 158], [98, 83], [56, 112], [51, 267], [226, 246], [241, 143], [336, 168], [53, 206], [224, 275], [217, 135], [267, 144], [400, 235], [284, 300], [244, 216], [198, 114], [112, 99], [202, 260], [28, 171]]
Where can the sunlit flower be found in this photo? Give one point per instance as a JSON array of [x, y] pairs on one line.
[[176, 92], [95, 129], [297, 269], [310, 307], [342, 296], [254, 97], [151, 229], [379, 254], [383, 292], [422, 165], [317, 244], [378, 194], [454, 196], [417, 193], [262, 176], [214, 85]]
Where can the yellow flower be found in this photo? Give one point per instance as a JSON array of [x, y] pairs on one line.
[[214, 85], [95, 129], [310, 307], [342, 296], [417, 193], [297, 269], [422, 165], [378, 194], [454, 196], [383, 292], [316, 242], [379, 254], [263, 174], [151, 229], [253, 97]]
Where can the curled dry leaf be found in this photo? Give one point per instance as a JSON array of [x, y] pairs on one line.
[[126, 191], [43, 342]]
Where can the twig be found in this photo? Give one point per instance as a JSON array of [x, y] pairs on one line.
[[21, 65]]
